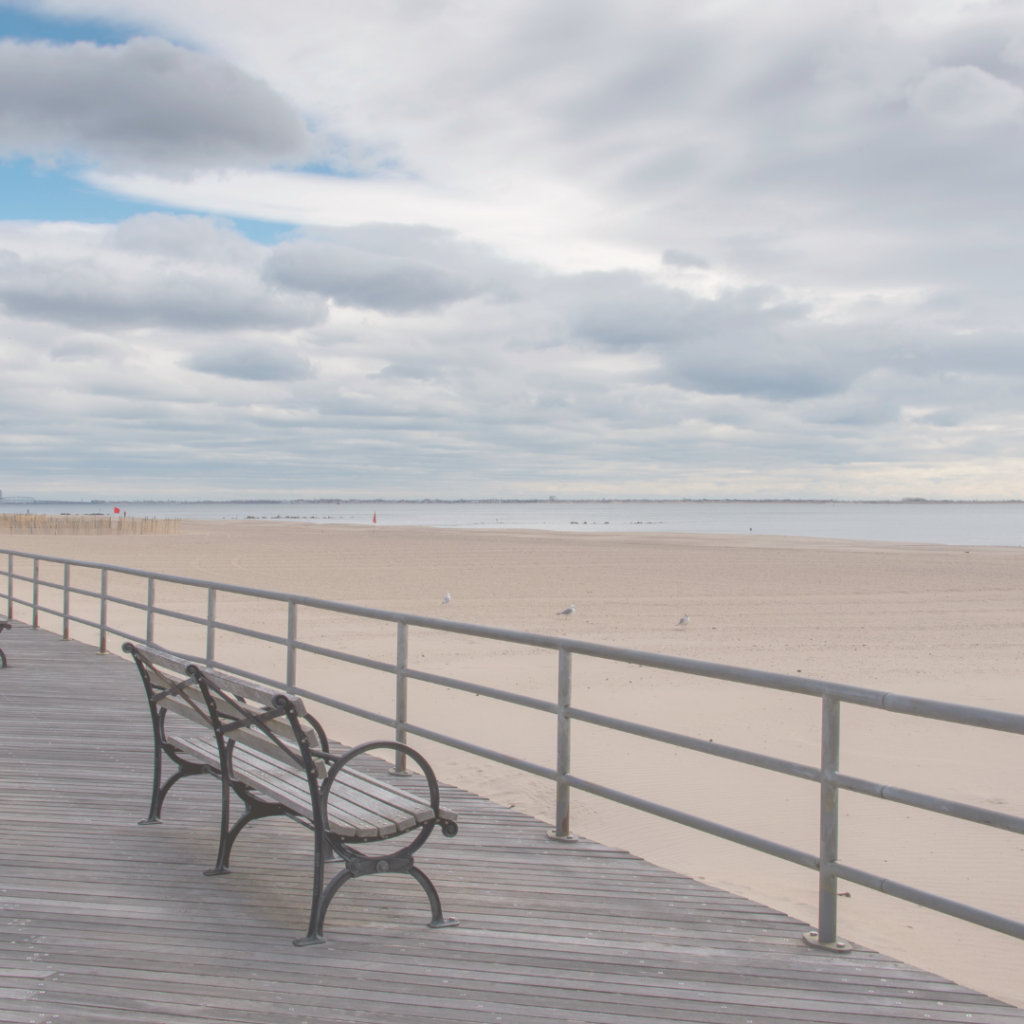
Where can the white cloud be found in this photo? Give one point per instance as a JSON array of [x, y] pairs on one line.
[[145, 104], [542, 375], [151, 271], [967, 97], [721, 242]]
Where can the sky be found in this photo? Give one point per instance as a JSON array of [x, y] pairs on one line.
[[521, 248]]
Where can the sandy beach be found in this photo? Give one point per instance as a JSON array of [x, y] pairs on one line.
[[928, 620]]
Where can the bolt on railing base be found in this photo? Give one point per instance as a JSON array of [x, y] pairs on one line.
[[567, 838], [839, 946], [395, 771]]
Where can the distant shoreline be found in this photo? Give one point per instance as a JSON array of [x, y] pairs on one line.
[[518, 501]]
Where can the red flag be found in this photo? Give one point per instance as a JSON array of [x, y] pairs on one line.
[[375, 517], [117, 511]]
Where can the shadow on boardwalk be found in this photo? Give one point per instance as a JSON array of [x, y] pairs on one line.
[[103, 921]]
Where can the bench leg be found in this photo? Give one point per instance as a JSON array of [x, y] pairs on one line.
[[321, 898], [3, 658], [318, 912], [156, 805], [226, 838], [437, 920]]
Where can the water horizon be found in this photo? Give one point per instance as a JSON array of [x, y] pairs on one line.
[[908, 520]]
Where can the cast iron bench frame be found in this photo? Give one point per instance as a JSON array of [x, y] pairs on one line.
[[267, 749], [3, 657]]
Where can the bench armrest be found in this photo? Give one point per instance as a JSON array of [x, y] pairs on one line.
[[448, 828]]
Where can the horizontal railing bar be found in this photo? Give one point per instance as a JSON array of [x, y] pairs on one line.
[[234, 670], [429, 734], [775, 764], [805, 860], [128, 636], [83, 593], [40, 581], [41, 609], [952, 808], [959, 713], [951, 908], [255, 634], [202, 663], [490, 755], [351, 659], [95, 625], [165, 612], [485, 691], [341, 705]]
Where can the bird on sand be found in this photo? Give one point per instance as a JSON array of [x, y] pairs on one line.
[[447, 599], [567, 611], [684, 620]]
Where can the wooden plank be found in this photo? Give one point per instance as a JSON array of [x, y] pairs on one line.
[[103, 921]]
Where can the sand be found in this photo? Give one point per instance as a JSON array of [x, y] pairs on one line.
[[928, 620]]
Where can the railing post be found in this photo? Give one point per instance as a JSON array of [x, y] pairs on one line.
[[828, 850], [211, 624], [293, 625], [563, 765], [103, 611], [35, 593], [67, 600], [401, 696], [10, 586], [150, 602]]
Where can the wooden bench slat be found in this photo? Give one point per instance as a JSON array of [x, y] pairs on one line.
[[283, 789], [253, 737], [266, 778], [364, 820], [250, 690], [202, 750], [246, 688], [391, 795], [364, 792]]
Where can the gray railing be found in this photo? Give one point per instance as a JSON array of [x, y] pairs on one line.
[[826, 775]]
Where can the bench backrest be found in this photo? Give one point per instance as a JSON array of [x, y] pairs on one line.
[[243, 711]]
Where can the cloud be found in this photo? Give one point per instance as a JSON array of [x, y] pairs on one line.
[[366, 281], [389, 268], [680, 258], [143, 105], [151, 271], [967, 97], [257, 361], [645, 248]]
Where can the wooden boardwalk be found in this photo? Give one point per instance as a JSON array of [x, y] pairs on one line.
[[103, 921]]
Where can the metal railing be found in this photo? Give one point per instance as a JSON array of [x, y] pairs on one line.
[[826, 775]]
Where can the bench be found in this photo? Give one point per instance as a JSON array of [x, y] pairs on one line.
[[3, 657], [263, 746]]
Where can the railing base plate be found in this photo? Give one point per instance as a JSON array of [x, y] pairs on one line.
[[570, 838], [839, 946]]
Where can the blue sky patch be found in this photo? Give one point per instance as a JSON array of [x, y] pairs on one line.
[[29, 192], [27, 26]]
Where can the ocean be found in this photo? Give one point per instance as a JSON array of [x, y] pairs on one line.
[[956, 523]]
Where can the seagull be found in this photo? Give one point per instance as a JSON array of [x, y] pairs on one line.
[[447, 599], [567, 611], [683, 621]]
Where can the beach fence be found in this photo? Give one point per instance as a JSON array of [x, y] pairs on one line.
[[85, 525], [26, 587]]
